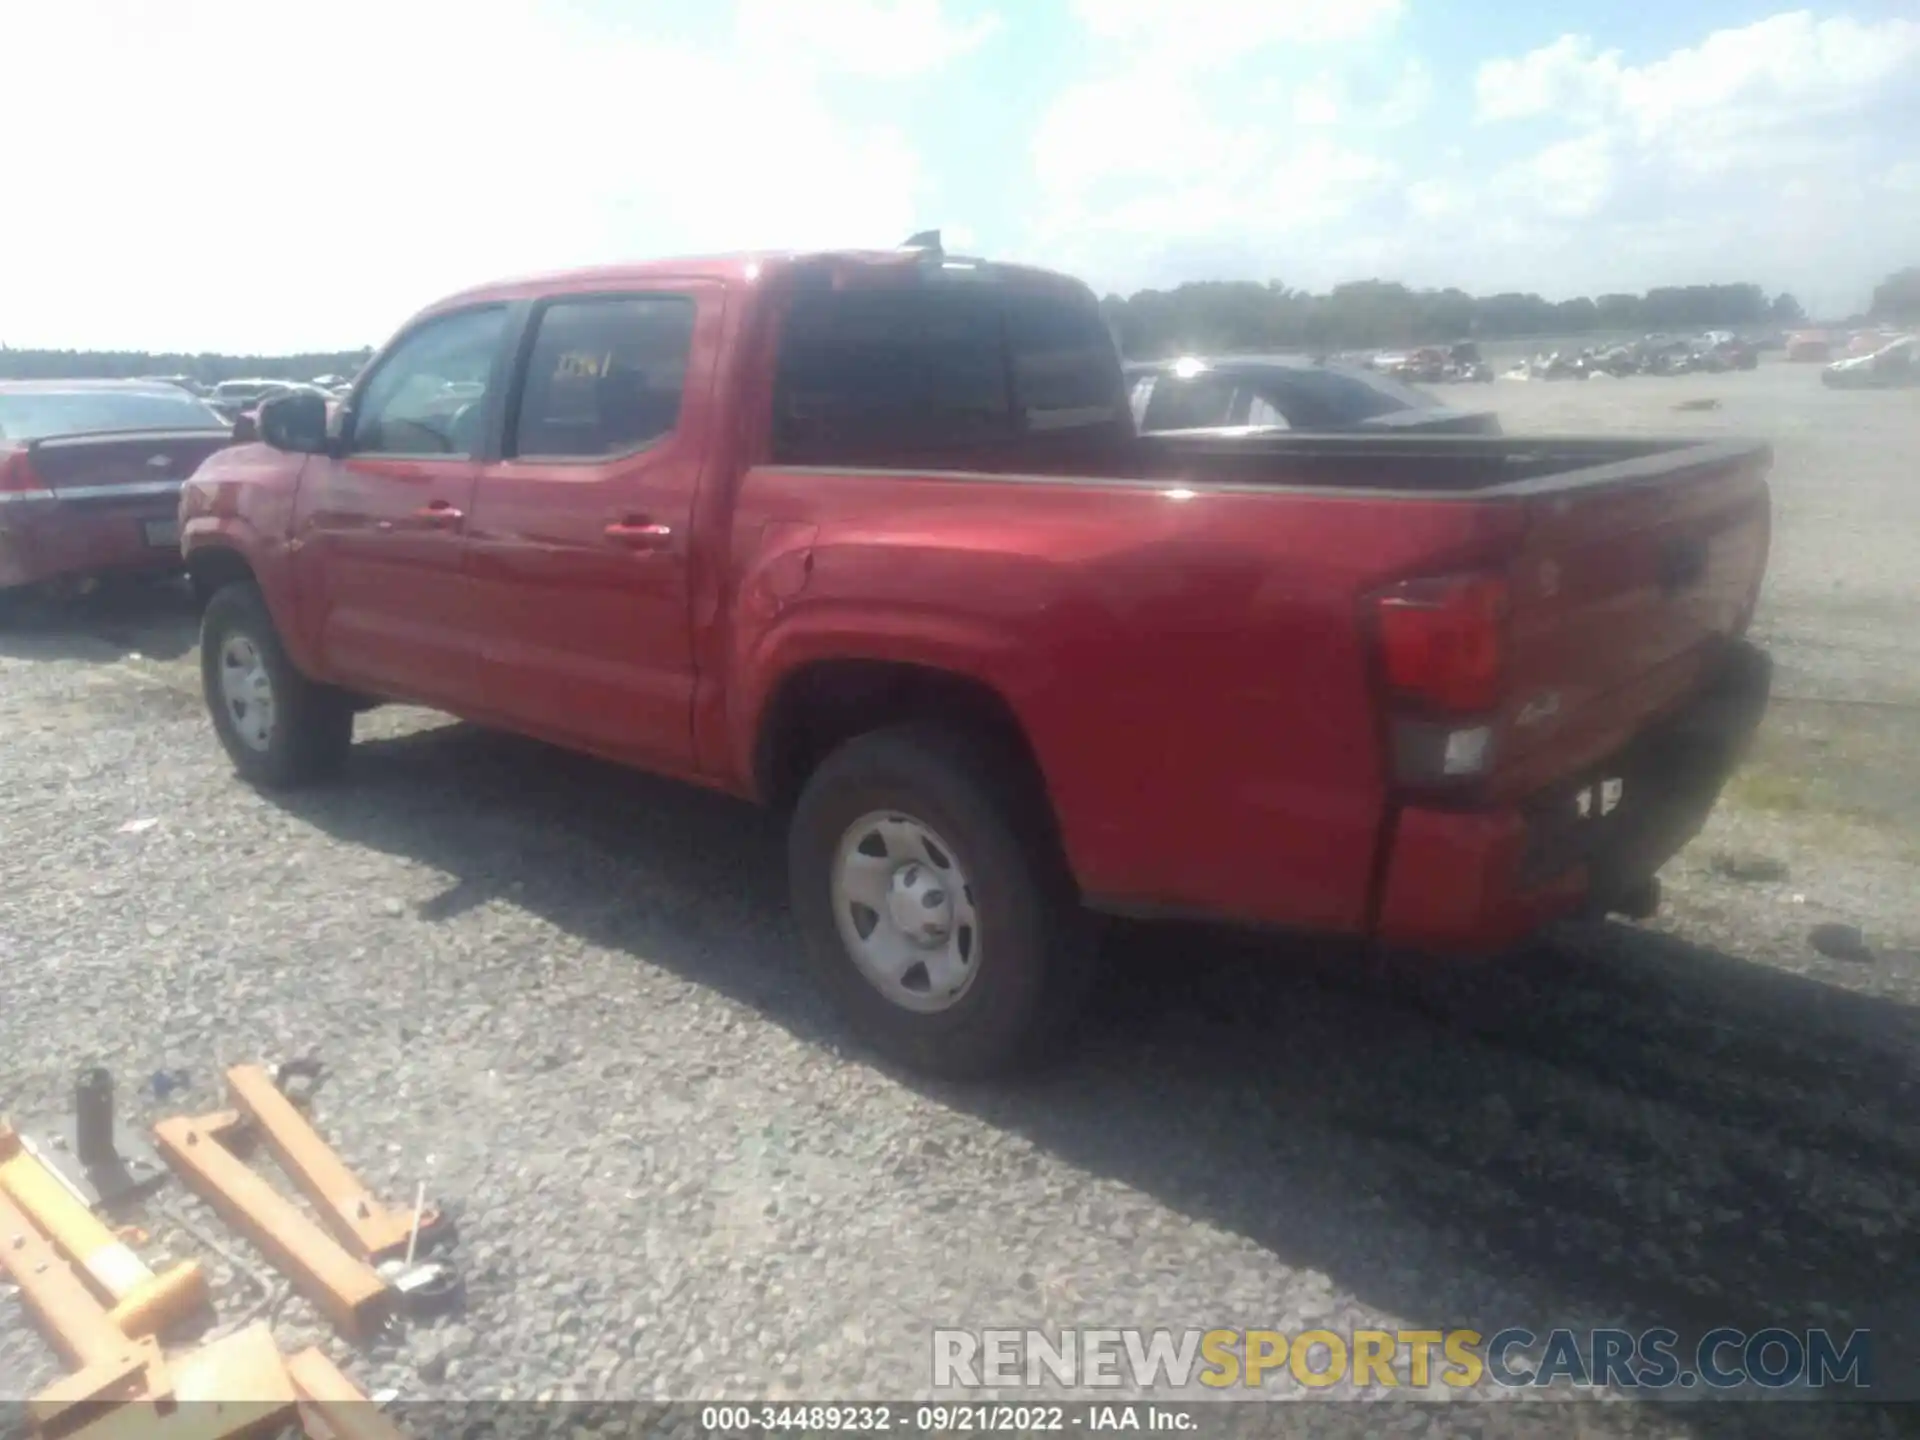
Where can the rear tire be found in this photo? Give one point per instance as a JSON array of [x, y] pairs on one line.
[[280, 729], [929, 817]]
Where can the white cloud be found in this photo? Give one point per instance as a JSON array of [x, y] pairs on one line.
[[1759, 83], [1570, 180], [1406, 100], [1214, 33], [1318, 103], [1780, 71], [1212, 122], [1357, 101], [1438, 199], [1565, 78], [1763, 149], [883, 39], [224, 174], [1779, 151]]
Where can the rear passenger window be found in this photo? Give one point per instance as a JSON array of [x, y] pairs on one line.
[[904, 368], [1066, 373], [910, 369], [604, 377]]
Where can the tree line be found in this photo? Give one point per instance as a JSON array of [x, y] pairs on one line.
[[208, 369], [1209, 315], [1228, 315]]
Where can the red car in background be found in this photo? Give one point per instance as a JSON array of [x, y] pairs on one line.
[[90, 475]]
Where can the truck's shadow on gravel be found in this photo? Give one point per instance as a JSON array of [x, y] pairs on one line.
[[1617, 1126]]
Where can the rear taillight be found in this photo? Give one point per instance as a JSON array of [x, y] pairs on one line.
[[1442, 641], [1442, 657]]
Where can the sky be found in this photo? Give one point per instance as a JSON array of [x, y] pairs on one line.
[[266, 176]]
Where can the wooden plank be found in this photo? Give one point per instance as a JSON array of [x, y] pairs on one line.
[[72, 1318], [233, 1387], [346, 1206], [342, 1411], [343, 1286], [137, 1374]]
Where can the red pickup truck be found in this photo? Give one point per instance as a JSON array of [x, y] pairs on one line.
[[870, 537]]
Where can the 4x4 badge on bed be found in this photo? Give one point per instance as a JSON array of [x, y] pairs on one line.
[[158, 462]]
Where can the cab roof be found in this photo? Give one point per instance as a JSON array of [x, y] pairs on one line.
[[750, 267]]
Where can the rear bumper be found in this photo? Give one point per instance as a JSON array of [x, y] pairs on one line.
[[1484, 880], [44, 538]]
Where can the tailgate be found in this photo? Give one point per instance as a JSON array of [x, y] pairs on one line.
[[1622, 596], [123, 467]]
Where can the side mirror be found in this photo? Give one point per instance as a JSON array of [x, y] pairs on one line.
[[244, 428], [296, 422]]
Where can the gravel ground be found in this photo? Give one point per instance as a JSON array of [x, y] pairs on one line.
[[565, 998]]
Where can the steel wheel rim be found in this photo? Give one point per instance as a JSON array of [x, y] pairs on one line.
[[905, 911], [246, 689]]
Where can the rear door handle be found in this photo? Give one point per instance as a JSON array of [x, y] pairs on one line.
[[440, 513], [640, 534]]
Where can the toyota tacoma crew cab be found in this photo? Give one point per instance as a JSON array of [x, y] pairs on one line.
[[871, 537]]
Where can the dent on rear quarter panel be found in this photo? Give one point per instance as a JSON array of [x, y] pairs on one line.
[[1189, 677]]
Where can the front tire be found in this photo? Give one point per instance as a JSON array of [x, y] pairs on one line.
[[933, 903], [279, 728]]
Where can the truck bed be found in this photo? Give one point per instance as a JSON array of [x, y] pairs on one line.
[[1426, 466], [1423, 466], [1211, 600]]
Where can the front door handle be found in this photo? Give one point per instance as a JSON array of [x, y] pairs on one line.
[[640, 534], [440, 513]]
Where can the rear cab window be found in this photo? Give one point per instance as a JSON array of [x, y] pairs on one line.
[[937, 366], [604, 376]]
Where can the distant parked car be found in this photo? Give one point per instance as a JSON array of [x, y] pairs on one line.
[[179, 382], [1869, 342], [1891, 367], [1809, 347], [90, 475], [1253, 394], [1722, 350], [234, 398]]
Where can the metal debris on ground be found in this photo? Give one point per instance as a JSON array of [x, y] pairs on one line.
[[103, 1308], [97, 1159], [125, 1385]]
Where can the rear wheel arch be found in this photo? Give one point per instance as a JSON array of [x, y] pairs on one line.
[[957, 945], [817, 707]]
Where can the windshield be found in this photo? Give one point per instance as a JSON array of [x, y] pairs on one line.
[[41, 414]]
